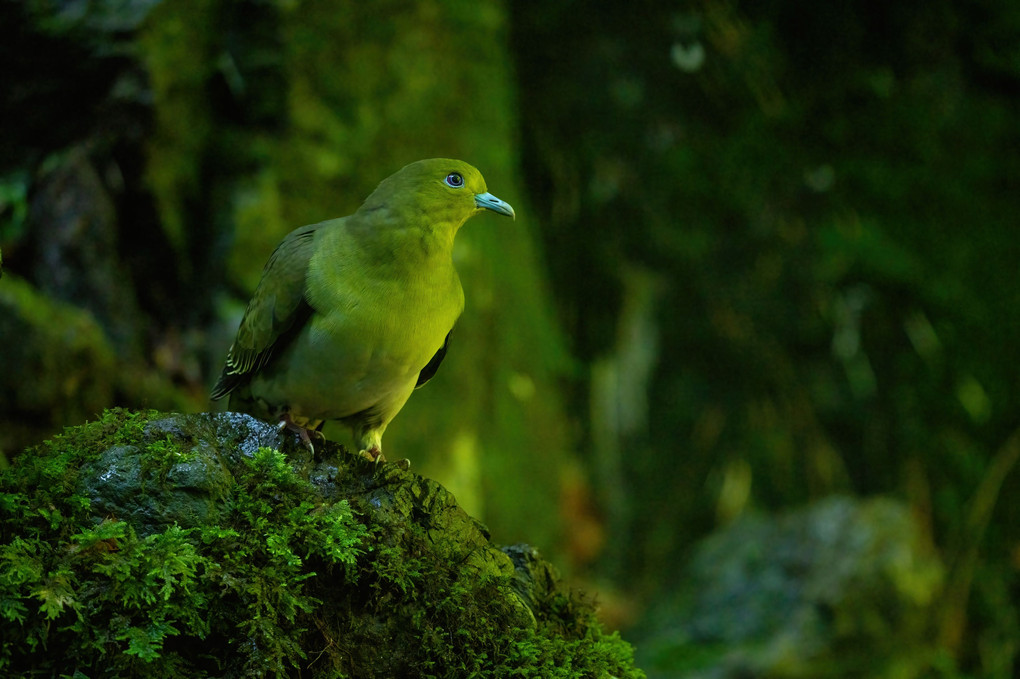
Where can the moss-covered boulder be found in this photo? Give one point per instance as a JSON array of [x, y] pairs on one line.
[[843, 588], [149, 544]]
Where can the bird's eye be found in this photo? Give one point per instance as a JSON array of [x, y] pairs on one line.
[[454, 179]]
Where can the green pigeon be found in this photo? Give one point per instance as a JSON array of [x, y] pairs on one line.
[[352, 314]]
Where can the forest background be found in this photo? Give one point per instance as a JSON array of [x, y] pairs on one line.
[[765, 255]]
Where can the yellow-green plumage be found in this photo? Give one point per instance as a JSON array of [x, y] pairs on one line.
[[352, 314]]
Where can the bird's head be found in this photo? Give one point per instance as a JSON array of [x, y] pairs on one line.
[[440, 189]]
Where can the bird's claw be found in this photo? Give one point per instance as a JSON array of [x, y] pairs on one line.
[[302, 432], [374, 454]]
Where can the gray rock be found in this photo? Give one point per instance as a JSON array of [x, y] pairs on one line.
[[842, 588]]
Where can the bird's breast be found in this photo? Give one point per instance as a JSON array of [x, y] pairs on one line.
[[363, 346]]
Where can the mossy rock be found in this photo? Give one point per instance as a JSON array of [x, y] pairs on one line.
[[167, 545], [844, 587]]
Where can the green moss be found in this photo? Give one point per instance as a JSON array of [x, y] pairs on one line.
[[115, 601], [158, 545]]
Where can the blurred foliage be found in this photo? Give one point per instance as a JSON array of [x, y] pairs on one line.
[[61, 367], [824, 198]]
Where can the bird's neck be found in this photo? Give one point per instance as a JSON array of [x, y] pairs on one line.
[[405, 237], [415, 264]]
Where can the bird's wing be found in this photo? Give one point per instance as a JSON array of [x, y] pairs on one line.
[[277, 310], [432, 366]]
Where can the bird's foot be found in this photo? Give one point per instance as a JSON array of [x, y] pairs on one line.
[[303, 432], [373, 453]]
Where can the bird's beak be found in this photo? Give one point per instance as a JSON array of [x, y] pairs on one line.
[[487, 201]]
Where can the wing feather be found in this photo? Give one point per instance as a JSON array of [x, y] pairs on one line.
[[276, 312], [432, 366]]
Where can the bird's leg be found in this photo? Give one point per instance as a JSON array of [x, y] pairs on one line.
[[370, 443]]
